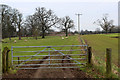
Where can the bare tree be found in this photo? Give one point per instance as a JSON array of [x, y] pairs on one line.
[[46, 19], [104, 23], [19, 23], [111, 27], [32, 24], [66, 23]]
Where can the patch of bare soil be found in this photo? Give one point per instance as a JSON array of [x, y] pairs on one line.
[[20, 74], [59, 72]]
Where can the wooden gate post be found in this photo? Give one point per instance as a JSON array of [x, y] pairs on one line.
[[108, 62], [89, 55], [18, 60], [5, 60]]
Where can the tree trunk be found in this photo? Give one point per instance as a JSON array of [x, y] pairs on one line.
[[66, 31], [33, 33], [106, 32], [43, 33], [110, 30], [36, 37], [19, 36], [9, 38], [19, 32]]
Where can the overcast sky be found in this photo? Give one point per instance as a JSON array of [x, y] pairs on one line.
[[91, 9]]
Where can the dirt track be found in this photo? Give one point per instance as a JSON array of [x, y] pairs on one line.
[[59, 73], [49, 73]]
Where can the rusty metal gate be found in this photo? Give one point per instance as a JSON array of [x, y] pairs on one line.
[[36, 57]]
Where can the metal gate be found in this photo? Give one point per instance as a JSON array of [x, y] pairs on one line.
[[35, 57]]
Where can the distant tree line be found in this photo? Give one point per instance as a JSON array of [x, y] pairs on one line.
[[116, 29], [34, 25]]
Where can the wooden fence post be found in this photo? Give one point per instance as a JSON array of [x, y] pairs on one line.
[[5, 59], [89, 55], [18, 60], [108, 62]]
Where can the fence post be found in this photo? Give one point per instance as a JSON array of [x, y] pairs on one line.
[[18, 60], [5, 59], [89, 55], [108, 62]]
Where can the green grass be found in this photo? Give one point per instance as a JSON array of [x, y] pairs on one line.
[[100, 42], [49, 40], [110, 35]]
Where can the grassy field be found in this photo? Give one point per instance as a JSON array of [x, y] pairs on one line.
[[100, 42], [49, 40]]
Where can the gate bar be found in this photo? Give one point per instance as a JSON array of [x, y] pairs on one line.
[[52, 50], [50, 64], [52, 59], [48, 46], [53, 55], [52, 67]]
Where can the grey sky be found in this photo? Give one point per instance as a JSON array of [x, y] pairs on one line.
[[91, 10]]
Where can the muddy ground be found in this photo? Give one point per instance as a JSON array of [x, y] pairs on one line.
[[49, 73]]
